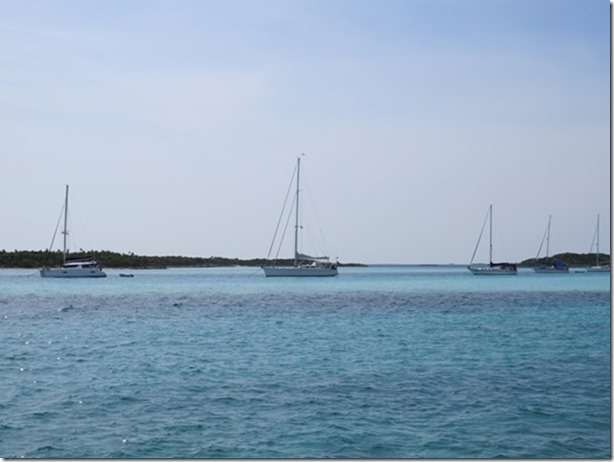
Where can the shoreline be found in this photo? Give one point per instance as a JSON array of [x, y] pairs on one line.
[[34, 259]]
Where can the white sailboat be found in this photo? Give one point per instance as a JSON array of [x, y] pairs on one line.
[[83, 267], [304, 265], [549, 267], [493, 269], [597, 268]]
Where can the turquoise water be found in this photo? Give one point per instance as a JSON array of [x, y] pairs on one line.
[[380, 362]]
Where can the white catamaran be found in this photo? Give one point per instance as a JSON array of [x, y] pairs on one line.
[[555, 266], [597, 268], [83, 267], [304, 265], [493, 269]]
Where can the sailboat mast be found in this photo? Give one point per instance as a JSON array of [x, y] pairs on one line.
[[296, 225], [597, 256], [548, 239], [490, 250], [65, 232]]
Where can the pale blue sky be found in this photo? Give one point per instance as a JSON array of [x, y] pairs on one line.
[[177, 124]]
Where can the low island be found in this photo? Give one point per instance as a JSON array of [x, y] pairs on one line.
[[108, 259], [576, 260]]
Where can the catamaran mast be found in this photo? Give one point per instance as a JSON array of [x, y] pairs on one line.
[[65, 232], [296, 225]]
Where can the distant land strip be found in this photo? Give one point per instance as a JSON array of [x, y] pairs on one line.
[[579, 260], [108, 259]]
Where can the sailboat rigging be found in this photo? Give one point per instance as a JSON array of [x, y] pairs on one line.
[[82, 267], [499, 269], [303, 265], [556, 266], [597, 268]]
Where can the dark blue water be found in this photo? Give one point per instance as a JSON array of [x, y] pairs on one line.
[[382, 362]]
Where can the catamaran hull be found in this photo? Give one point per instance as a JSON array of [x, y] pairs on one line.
[[72, 273], [298, 271]]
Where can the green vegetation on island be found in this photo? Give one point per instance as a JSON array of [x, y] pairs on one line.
[[108, 259], [579, 260]]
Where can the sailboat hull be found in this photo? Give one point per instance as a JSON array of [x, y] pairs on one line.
[[299, 271], [304, 265], [83, 267], [72, 273], [493, 271], [551, 270], [599, 269]]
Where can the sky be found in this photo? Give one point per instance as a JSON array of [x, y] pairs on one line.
[[177, 125]]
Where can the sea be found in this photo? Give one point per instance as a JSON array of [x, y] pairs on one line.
[[379, 362]]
